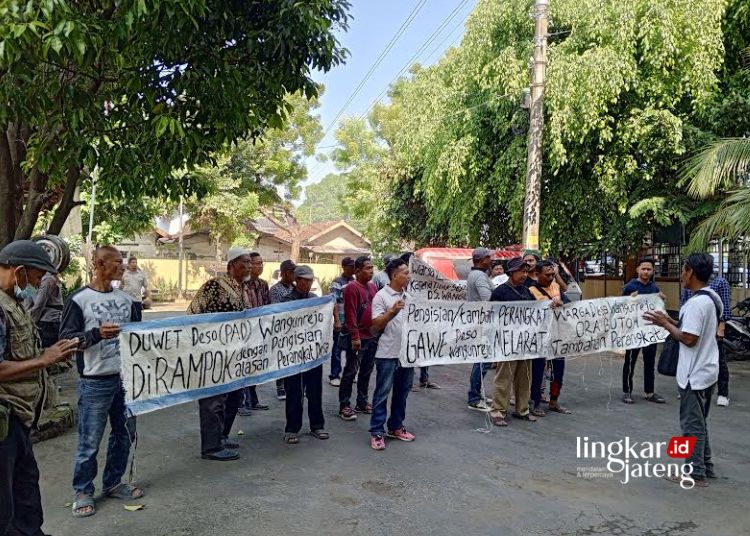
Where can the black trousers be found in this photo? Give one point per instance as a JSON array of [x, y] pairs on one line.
[[361, 361], [306, 384], [217, 415], [20, 498], [628, 368], [723, 386], [138, 310]]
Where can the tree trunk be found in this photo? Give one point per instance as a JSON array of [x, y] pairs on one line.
[[8, 191], [295, 245], [37, 196], [67, 203]]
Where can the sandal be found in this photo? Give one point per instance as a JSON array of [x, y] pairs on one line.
[[538, 412], [320, 434], [528, 417], [124, 491], [498, 420], [559, 409], [83, 501], [291, 439]]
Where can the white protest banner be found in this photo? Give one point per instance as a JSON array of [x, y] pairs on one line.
[[429, 284], [441, 332], [175, 360]]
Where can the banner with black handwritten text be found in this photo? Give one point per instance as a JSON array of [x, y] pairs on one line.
[[428, 284], [442, 332], [175, 360]]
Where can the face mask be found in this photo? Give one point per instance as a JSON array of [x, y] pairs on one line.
[[25, 293]]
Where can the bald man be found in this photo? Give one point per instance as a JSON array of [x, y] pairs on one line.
[[93, 315]]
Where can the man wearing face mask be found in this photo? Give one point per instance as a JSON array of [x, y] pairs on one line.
[[22, 386]]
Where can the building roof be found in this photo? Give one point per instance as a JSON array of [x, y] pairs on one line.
[[308, 233]]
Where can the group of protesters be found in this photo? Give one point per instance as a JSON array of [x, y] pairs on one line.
[[367, 330]]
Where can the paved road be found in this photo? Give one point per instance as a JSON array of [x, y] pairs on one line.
[[455, 479]]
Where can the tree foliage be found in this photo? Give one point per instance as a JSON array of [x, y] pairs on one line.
[[139, 88], [631, 90], [323, 201]]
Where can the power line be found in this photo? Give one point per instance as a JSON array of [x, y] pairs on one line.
[[389, 46], [452, 15]]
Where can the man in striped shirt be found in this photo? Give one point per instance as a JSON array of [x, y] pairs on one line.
[[721, 286]]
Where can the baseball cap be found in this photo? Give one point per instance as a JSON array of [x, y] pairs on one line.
[[287, 266], [480, 253], [233, 253], [347, 261], [517, 263], [26, 253], [303, 271]]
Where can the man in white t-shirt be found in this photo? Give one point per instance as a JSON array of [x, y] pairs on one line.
[[698, 364]]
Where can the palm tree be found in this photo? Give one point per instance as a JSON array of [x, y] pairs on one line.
[[724, 165]]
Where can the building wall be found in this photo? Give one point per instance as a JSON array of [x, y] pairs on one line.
[[272, 249], [341, 238]]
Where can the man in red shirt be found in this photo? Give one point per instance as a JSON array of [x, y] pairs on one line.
[[360, 350]]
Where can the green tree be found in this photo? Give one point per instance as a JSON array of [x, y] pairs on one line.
[[323, 201], [138, 89], [629, 83]]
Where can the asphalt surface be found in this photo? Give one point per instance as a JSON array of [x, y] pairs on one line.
[[458, 477]]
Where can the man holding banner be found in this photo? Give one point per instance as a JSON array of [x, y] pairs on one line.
[[222, 294], [308, 383], [513, 376], [479, 288], [388, 320], [94, 315]]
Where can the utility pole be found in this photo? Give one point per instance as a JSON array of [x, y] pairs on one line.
[[532, 203], [180, 254]]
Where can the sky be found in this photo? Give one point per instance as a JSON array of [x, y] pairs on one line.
[[374, 24]]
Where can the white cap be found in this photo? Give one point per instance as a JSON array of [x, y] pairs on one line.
[[233, 253]]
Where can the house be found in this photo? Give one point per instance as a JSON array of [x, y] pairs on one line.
[[324, 242]]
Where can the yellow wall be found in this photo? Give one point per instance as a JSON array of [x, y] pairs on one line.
[[197, 272]]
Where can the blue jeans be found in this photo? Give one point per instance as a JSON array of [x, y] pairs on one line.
[[390, 374], [424, 374], [335, 356], [475, 381], [99, 399]]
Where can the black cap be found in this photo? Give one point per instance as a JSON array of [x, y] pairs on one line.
[[516, 264], [26, 253], [287, 266], [347, 261]]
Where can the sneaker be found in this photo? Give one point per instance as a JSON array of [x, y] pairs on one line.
[[347, 414], [223, 455], [367, 409], [281, 394], [627, 398], [335, 382], [244, 412], [261, 407], [401, 434], [229, 443], [480, 405], [377, 442], [429, 385], [722, 401]]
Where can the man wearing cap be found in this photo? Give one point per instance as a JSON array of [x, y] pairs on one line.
[[479, 288], [94, 315], [222, 294], [278, 292], [305, 384], [22, 385], [512, 376], [381, 279], [257, 295], [337, 290]]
